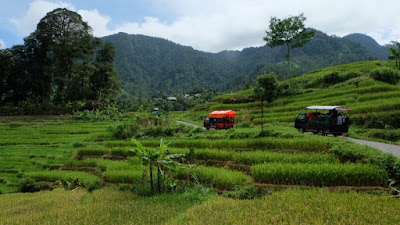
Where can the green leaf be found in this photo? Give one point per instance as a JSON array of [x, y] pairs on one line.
[[140, 146]]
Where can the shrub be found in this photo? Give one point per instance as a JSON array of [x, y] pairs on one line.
[[380, 120], [332, 78], [27, 185], [198, 194], [248, 192], [386, 74], [122, 131]]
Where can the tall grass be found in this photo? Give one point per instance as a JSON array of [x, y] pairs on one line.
[[316, 206], [320, 174], [123, 176], [303, 144], [220, 178], [104, 206], [256, 157]]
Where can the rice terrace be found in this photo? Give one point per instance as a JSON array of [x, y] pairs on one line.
[[106, 158]]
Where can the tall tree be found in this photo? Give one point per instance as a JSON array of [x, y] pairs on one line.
[[104, 81], [67, 40], [395, 53], [290, 32], [265, 90]]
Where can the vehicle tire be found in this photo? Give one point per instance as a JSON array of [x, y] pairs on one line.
[[301, 130]]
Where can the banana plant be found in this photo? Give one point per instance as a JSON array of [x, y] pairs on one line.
[[158, 158]]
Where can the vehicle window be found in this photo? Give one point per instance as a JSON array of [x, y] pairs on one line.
[[301, 116]]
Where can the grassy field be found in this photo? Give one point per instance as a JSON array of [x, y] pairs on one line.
[[98, 180]]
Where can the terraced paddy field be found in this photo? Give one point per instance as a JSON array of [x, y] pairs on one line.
[[83, 172]]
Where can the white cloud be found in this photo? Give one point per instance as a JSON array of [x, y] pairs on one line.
[[37, 10], [2, 44], [96, 21], [212, 25]]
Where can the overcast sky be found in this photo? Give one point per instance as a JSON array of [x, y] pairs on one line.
[[207, 25]]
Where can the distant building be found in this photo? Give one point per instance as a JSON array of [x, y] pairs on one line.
[[172, 99]]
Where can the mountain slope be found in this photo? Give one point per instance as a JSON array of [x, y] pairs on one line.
[[151, 66], [378, 51]]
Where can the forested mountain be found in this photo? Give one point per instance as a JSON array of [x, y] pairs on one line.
[[151, 66], [378, 51]]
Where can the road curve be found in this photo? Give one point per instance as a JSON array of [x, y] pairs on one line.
[[392, 149], [190, 124]]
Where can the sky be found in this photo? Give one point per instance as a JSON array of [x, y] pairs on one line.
[[206, 25]]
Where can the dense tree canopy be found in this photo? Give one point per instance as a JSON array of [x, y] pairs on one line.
[[59, 62], [290, 32]]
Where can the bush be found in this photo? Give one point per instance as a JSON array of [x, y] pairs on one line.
[[386, 74], [377, 120], [123, 131], [332, 78], [248, 192], [27, 185]]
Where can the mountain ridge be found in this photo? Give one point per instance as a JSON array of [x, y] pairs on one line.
[[151, 66]]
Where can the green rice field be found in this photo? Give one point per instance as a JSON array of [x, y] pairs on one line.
[[84, 172]]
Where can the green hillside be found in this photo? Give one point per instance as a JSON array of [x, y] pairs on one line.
[[150, 66], [375, 108]]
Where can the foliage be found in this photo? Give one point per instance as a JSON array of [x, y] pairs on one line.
[[159, 159], [248, 192], [386, 74], [27, 185], [265, 90], [395, 54], [159, 64], [290, 32], [60, 62]]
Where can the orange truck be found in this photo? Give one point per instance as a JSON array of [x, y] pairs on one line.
[[220, 120]]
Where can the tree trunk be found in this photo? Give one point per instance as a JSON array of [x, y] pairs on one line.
[[288, 57], [151, 178], [159, 179]]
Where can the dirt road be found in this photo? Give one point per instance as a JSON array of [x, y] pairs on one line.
[[393, 149], [190, 124]]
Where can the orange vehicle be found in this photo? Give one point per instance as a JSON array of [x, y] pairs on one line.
[[220, 120]]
